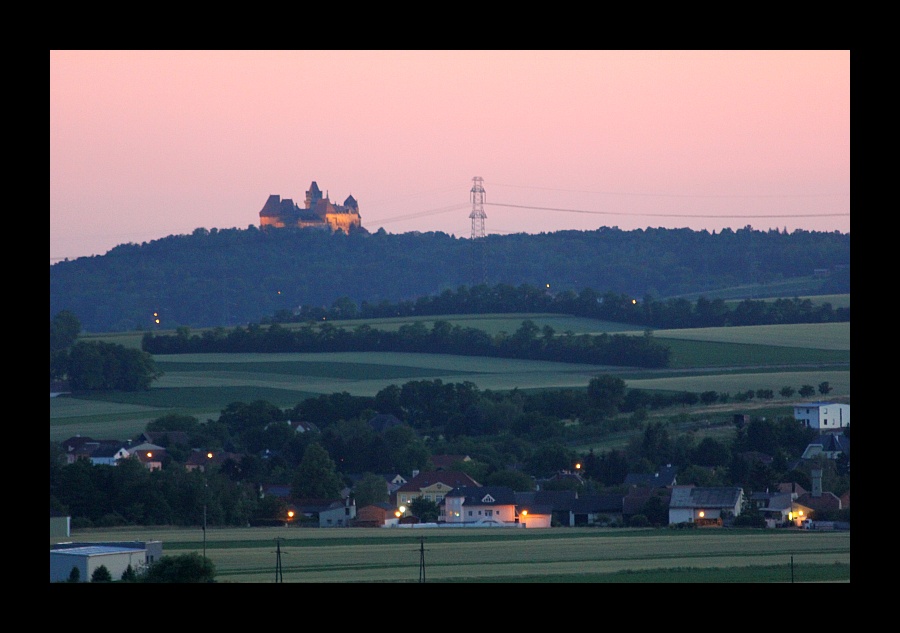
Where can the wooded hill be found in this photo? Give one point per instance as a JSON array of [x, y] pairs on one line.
[[238, 276]]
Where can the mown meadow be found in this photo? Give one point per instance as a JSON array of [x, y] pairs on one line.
[[501, 555]]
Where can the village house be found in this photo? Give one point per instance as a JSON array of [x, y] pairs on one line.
[[823, 416]]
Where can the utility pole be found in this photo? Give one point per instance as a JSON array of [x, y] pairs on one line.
[[205, 497], [279, 574], [477, 216], [421, 559]]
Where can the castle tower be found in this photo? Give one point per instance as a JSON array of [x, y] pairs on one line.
[[313, 196]]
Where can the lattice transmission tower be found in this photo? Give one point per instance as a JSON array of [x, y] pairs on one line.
[[477, 216]]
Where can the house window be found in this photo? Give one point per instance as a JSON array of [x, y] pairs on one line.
[[470, 513], [488, 512]]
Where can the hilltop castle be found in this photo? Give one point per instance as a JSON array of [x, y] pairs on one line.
[[319, 212]]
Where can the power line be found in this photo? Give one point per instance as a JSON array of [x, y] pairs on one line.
[[672, 215], [680, 195], [421, 214]]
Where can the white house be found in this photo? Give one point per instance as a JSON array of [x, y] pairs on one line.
[[823, 416], [487, 505], [704, 506], [338, 513]]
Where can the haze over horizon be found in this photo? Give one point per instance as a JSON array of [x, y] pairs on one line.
[[146, 144]]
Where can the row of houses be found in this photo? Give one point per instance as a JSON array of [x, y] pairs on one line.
[[463, 502], [148, 449]]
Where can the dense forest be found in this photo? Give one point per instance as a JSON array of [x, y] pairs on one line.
[[235, 277]]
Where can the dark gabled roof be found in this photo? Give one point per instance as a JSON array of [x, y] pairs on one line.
[[484, 495], [272, 207], [107, 448], [825, 501], [77, 442], [792, 487], [590, 503], [662, 478], [704, 497], [445, 462], [835, 442], [450, 478], [556, 498], [772, 500]]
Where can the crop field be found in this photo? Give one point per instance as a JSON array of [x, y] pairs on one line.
[[709, 359], [396, 555]]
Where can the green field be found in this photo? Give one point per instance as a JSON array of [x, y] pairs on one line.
[[492, 555], [708, 359]]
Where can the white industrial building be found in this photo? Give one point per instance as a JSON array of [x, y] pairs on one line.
[[87, 557]]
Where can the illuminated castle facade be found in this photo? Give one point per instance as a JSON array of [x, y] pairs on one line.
[[318, 212]]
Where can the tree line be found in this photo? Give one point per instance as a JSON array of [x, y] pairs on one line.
[[528, 342], [672, 313]]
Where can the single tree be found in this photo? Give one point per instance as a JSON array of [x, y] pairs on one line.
[[824, 388], [806, 391], [129, 574], [787, 391], [370, 489], [425, 509], [101, 574], [184, 568], [316, 476], [606, 394], [74, 575]]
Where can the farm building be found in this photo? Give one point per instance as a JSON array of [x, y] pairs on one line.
[[823, 416], [87, 557]]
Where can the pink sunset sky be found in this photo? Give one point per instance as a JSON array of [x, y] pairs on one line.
[[146, 144]]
